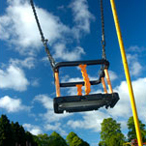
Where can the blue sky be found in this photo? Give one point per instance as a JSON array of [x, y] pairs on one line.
[[73, 29]]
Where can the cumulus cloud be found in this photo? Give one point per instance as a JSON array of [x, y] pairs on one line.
[[45, 100], [35, 130], [82, 16], [135, 66], [48, 104], [49, 116], [13, 78], [136, 49], [35, 82], [124, 102], [140, 95], [123, 107], [52, 121], [56, 127], [28, 62], [24, 33], [26, 38], [62, 52], [92, 120], [12, 105], [113, 75]]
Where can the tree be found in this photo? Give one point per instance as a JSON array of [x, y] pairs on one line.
[[53, 140], [111, 134], [14, 134], [18, 133], [132, 133], [42, 139], [6, 134], [30, 139], [74, 140], [56, 140]]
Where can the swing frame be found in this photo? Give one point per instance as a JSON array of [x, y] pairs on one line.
[[80, 103]]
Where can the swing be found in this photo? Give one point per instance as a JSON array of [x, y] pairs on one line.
[[80, 102]]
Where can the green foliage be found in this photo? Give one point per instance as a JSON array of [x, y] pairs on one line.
[[56, 140], [30, 139], [42, 139], [18, 133], [14, 134], [53, 140], [132, 132], [6, 134], [111, 134], [70, 137], [102, 143], [74, 140]]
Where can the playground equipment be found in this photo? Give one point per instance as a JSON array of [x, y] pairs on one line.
[[88, 101], [80, 102]]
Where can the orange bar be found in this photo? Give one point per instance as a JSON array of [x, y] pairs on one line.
[[57, 84], [86, 78], [79, 89], [103, 84], [108, 81]]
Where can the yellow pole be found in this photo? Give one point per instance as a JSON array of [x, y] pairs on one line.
[[133, 105]]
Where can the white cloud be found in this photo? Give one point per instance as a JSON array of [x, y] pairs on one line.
[[62, 52], [24, 33], [91, 120], [26, 38], [13, 78], [11, 104], [113, 75], [123, 107], [35, 130], [35, 83], [28, 62], [122, 110], [68, 79], [82, 16], [134, 65], [49, 116], [136, 49], [140, 96], [52, 121], [55, 127], [123, 103], [136, 68], [45, 100]]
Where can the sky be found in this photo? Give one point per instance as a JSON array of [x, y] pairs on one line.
[[73, 30]]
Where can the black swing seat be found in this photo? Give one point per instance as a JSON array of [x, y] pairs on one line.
[[85, 102]]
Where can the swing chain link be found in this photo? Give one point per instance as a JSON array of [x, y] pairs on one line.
[[103, 42], [51, 59]]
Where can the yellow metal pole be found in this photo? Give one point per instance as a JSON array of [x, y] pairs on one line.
[[133, 105]]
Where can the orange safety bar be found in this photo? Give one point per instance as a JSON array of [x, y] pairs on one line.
[[108, 80], [86, 78], [103, 84], [79, 89], [57, 84]]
